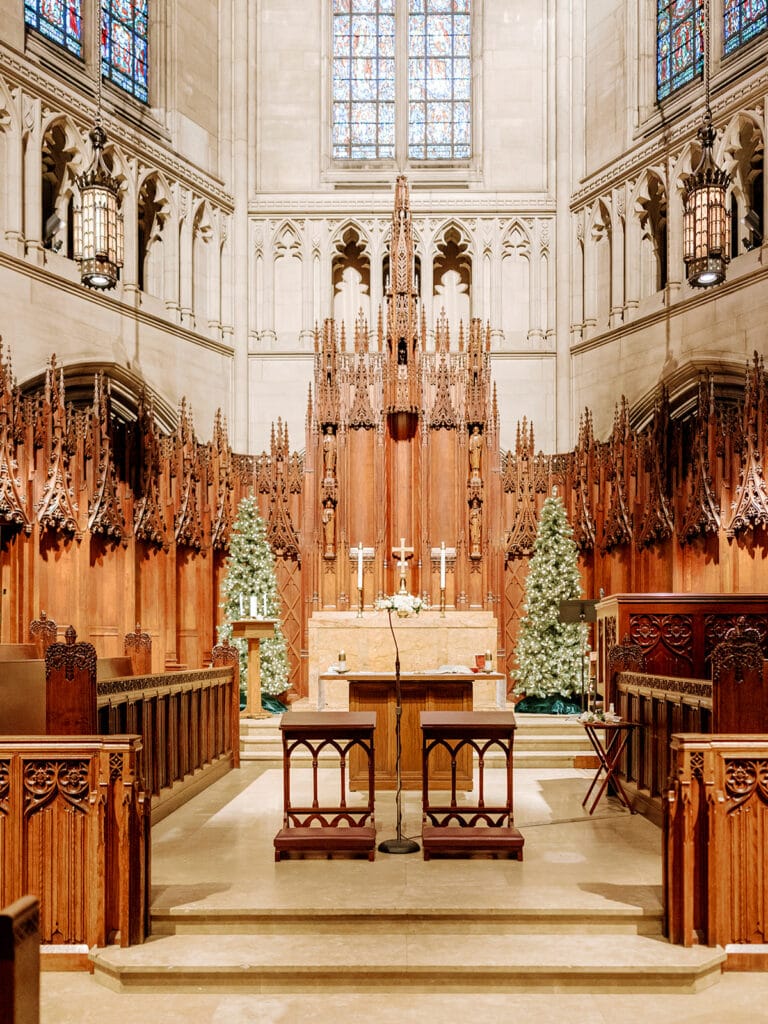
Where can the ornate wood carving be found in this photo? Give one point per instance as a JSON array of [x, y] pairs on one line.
[[222, 479], [519, 480], [148, 521], [57, 509], [657, 519], [188, 526], [402, 370], [718, 626], [105, 512], [12, 499], [627, 654], [741, 651], [750, 509], [670, 632], [584, 531], [617, 528], [138, 647], [443, 413], [702, 512], [70, 686], [43, 632], [280, 530]]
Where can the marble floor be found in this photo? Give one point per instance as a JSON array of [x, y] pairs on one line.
[[214, 856]]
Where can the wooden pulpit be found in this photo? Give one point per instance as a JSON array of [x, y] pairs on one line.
[[254, 631]]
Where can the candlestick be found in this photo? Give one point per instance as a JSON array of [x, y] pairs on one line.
[[442, 601], [442, 565], [359, 602], [360, 565]]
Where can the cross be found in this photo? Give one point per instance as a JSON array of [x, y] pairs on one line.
[[405, 553]]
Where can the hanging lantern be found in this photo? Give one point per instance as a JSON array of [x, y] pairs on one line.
[[705, 216], [97, 222]]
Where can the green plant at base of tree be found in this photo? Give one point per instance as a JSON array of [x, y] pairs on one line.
[[251, 573], [549, 652]]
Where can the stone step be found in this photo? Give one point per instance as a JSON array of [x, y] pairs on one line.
[[340, 960]]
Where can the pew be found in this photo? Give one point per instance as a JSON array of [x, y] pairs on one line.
[[20, 962]]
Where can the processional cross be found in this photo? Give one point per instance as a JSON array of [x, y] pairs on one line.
[[402, 563]]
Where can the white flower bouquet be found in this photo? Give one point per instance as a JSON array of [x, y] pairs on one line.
[[403, 604]]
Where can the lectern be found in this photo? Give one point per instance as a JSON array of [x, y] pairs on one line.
[[254, 631]]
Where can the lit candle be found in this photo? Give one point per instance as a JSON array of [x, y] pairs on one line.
[[265, 606], [241, 606], [360, 565], [252, 606], [442, 565]]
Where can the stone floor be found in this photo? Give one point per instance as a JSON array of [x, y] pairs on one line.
[[213, 858]]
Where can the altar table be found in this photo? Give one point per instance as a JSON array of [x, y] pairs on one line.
[[421, 691]]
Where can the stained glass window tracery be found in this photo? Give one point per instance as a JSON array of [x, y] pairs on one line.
[[57, 20], [742, 21], [365, 79], [679, 44], [439, 79], [124, 41]]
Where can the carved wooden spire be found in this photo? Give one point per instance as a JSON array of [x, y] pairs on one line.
[[519, 479], [751, 506], [657, 517], [57, 509], [221, 467], [188, 522], [105, 514], [702, 512], [148, 522], [280, 530], [402, 392], [584, 532], [12, 499], [327, 375], [617, 528]]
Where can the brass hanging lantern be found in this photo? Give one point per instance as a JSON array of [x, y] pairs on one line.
[[97, 221], [705, 216], [705, 211]]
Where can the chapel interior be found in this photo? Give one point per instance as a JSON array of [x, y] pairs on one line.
[[401, 271]]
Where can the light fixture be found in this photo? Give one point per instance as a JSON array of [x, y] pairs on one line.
[[705, 213], [97, 221]]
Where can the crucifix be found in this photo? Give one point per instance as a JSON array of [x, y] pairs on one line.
[[402, 563]]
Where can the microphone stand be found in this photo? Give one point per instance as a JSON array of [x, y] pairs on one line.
[[400, 844]]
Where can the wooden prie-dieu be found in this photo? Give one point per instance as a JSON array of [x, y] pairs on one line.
[[484, 825]]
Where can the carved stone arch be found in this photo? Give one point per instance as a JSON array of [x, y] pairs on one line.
[[63, 156], [154, 211], [516, 281], [288, 281], [598, 241], [9, 115], [287, 240], [127, 391], [650, 206], [743, 156], [451, 267], [202, 238], [350, 275]]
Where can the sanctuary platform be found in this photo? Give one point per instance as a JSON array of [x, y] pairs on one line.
[[573, 933]]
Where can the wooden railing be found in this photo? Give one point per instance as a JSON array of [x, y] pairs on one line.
[[189, 724], [74, 833], [20, 962], [663, 706], [716, 845]]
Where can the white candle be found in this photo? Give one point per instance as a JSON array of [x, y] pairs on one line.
[[442, 565], [252, 606], [241, 606], [265, 606], [360, 565]]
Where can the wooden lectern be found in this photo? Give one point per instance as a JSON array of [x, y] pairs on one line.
[[254, 631]]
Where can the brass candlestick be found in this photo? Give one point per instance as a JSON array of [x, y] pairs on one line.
[[442, 601], [359, 602]]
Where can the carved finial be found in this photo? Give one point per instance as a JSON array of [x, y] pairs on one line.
[[70, 636]]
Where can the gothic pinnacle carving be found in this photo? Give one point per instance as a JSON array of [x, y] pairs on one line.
[[57, 509], [105, 513], [751, 506], [657, 517], [702, 513]]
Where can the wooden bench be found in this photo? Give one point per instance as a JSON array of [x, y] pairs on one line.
[[335, 828], [20, 962], [481, 827]]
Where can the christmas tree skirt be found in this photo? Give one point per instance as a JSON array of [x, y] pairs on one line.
[[272, 704], [553, 704]]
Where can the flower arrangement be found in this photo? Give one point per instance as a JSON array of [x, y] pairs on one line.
[[403, 604]]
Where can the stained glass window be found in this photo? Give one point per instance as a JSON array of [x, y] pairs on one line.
[[439, 78], [57, 20], [679, 44], [363, 79], [124, 25], [742, 21]]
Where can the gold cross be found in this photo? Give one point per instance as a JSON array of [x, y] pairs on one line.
[[405, 553]]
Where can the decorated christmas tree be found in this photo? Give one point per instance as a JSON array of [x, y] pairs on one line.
[[250, 587], [549, 652]]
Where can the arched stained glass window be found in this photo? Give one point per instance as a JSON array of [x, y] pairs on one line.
[[679, 44], [423, 46], [742, 21], [57, 20], [124, 26], [439, 79], [363, 79]]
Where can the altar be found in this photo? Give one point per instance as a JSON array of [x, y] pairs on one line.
[[437, 660]]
